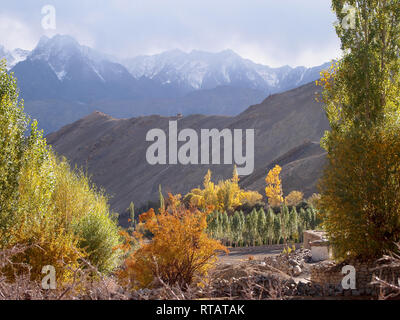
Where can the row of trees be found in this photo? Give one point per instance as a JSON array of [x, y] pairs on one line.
[[261, 227]]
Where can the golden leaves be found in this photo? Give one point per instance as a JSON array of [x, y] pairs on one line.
[[178, 251], [224, 196], [273, 190]]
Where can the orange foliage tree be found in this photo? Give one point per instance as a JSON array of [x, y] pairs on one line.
[[179, 252]]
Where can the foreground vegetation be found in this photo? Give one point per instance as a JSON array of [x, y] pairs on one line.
[[361, 184], [54, 212], [53, 215]]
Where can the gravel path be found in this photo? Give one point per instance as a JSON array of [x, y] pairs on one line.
[[237, 255]]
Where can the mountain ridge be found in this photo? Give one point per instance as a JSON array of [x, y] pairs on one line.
[[62, 81], [204, 70]]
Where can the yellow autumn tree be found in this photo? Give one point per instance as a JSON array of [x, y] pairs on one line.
[[294, 198], [273, 190], [179, 253], [225, 196]]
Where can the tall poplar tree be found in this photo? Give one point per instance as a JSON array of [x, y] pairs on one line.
[[360, 187]]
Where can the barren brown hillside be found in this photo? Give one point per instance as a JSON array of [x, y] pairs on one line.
[[288, 128]]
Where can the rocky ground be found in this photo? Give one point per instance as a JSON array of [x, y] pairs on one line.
[[257, 273], [251, 274]]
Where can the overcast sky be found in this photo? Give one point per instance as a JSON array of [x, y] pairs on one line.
[[272, 32]]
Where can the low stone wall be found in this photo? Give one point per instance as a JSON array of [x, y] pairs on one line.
[[328, 273]]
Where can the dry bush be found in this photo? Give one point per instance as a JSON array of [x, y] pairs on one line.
[[390, 284], [87, 282], [248, 281]]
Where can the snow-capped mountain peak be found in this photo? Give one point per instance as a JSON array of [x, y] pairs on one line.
[[174, 70], [61, 68], [14, 56], [204, 70], [63, 53]]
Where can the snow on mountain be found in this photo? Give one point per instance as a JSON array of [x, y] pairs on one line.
[[14, 56], [61, 51], [61, 68], [197, 69], [186, 72], [204, 70], [61, 80]]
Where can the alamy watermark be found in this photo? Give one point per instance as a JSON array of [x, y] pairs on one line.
[[49, 280], [196, 151], [349, 280], [49, 19], [349, 20]]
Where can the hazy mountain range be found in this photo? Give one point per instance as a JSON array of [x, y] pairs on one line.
[[203, 70], [62, 81], [288, 127]]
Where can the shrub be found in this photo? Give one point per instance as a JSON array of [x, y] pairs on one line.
[[179, 253], [98, 235], [87, 212]]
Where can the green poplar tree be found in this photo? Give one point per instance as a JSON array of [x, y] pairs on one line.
[[13, 124], [132, 215], [262, 226], [360, 187], [284, 216], [270, 216], [237, 227], [292, 225], [277, 228]]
